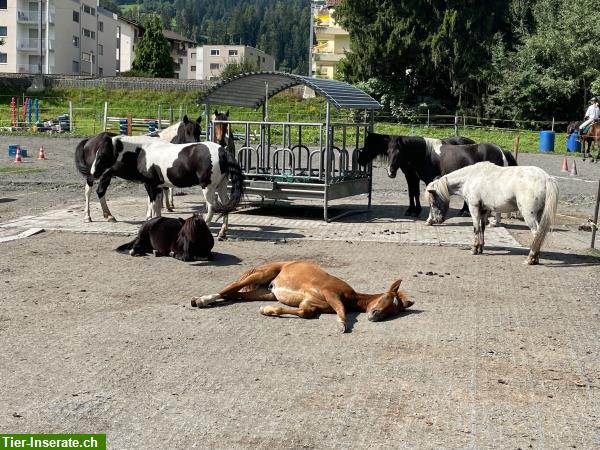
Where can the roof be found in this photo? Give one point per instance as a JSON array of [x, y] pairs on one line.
[[248, 90], [172, 36]]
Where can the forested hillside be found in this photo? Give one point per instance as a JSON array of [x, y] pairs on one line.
[[278, 27]]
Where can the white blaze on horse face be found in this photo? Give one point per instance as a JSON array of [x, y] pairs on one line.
[[434, 145]]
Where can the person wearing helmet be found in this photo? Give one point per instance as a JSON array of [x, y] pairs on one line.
[[591, 115]]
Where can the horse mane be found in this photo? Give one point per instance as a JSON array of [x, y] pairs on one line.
[[441, 188], [190, 229]]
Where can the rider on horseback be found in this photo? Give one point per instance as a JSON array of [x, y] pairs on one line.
[[591, 115]]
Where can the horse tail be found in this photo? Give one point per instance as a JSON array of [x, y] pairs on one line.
[[548, 215], [237, 185], [80, 163], [126, 247], [510, 159]]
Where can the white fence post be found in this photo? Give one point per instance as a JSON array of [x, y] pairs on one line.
[[105, 116], [71, 127]]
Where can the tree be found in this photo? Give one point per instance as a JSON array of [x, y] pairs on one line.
[[556, 68], [237, 68], [153, 53]]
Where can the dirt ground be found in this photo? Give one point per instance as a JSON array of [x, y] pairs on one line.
[[493, 354]]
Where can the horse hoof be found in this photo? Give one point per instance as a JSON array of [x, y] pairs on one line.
[[342, 327], [221, 237], [87, 219], [194, 302], [267, 311], [111, 219]]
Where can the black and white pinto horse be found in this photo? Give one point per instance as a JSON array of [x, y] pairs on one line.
[[85, 156], [187, 240], [417, 157], [487, 187], [157, 165]]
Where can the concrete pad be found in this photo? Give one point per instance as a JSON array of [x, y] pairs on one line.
[[247, 224]]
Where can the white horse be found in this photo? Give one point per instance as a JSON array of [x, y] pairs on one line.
[[486, 187]]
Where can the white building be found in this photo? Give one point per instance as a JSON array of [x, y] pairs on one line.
[[210, 60], [67, 37]]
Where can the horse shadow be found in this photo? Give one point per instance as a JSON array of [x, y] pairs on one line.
[[559, 259], [219, 259], [7, 200]]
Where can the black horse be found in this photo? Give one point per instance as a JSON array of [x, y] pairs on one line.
[[187, 240], [417, 157]]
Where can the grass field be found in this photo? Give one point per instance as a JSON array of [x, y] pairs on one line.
[[88, 107]]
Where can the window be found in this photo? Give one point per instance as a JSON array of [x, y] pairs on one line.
[[76, 41], [100, 71], [88, 33], [263, 59], [100, 26], [75, 67], [215, 52], [100, 49], [193, 68], [233, 52], [3, 31], [3, 4], [3, 58], [215, 66], [193, 56], [75, 16], [89, 10]]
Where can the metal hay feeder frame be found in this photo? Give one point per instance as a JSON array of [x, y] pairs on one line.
[[295, 170]]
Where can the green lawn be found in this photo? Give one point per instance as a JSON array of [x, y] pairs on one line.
[[88, 107]]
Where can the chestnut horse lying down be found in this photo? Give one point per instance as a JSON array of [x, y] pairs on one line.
[[187, 240], [309, 290]]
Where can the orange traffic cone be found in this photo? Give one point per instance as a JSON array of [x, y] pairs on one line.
[[18, 158], [574, 169], [42, 154], [565, 166]]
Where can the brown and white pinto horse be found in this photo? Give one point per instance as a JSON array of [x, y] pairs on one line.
[[592, 136], [309, 290], [223, 135]]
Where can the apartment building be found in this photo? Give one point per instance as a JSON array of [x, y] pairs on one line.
[[331, 40], [211, 59], [180, 46], [59, 36]]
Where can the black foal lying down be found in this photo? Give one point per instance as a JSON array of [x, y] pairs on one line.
[[187, 240]]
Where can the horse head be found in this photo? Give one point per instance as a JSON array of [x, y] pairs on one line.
[[106, 153], [188, 131], [221, 129], [439, 201], [375, 144], [388, 303], [394, 156]]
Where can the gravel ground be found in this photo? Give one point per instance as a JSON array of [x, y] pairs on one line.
[[492, 354]]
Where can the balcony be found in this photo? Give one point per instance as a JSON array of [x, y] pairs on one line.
[[28, 68], [33, 45], [327, 57], [32, 17]]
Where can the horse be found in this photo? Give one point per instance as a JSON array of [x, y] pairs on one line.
[[308, 288], [86, 152], [222, 130], [180, 133], [417, 157], [157, 164], [592, 136], [486, 187], [573, 127], [186, 240]]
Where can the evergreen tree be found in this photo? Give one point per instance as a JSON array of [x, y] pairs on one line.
[[153, 53]]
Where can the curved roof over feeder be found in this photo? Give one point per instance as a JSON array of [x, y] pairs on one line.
[[249, 90]]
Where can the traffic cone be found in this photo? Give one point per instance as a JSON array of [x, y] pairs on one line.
[[42, 154], [18, 158], [574, 169], [565, 166]]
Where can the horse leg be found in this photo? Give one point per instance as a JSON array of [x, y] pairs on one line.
[[533, 223], [255, 277], [464, 211], [168, 197], [477, 226], [414, 207], [304, 310], [101, 191], [154, 201], [209, 196], [223, 197], [86, 209], [334, 300]]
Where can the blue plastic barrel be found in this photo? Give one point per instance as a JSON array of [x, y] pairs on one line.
[[547, 141], [573, 144]]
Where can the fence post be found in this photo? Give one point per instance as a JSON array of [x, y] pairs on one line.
[[105, 116], [71, 127], [427, 117], [159, 117], [129, 131], [455, 125], [552, 123], [170, 115], [516, 146]]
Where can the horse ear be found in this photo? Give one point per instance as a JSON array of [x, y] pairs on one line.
[[227, 113], [185, 119], [395, 285], [216, 112]]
